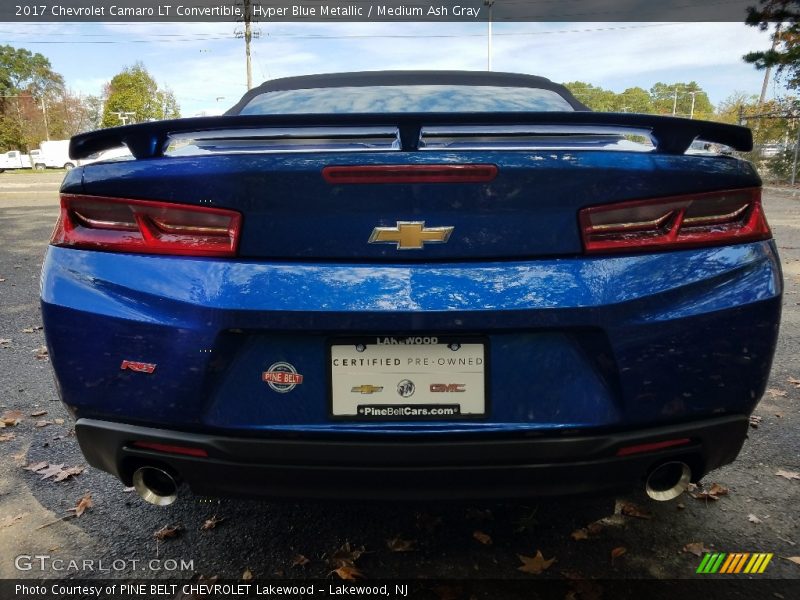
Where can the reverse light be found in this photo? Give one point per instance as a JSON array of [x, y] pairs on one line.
[[410, 174], [707, 219], [145, 226]]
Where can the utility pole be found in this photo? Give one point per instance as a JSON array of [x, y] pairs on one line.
[[691, 113], [248, 36], [44, 114], [675, 102], [776, 36], [489, 3]]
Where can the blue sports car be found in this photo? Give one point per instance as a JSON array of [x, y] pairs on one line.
[[412, 285]]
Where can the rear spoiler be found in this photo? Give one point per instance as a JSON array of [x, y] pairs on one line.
[[671, 135]]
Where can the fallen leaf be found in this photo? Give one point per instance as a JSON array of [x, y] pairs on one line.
[[347, 555], [2, 280], [348, 573], [483, 538], [787, 474], [776, 393], [4, 341], [128, 490], [41, 424], [6, 437], [83, 504], [629, 509], [28, 330], [580, 534], [167, 531], [793, 380], [755, 421], [680, 506], [9, 521], [58, 421], [41, 353], [68, 472], [713, 493], [753, 519], [211, 523], [247, 575], [794, 559], [300, 561], [400, 545], [35, 467], [11, 417], [617, 552], [50, 471], [535, 565], [696, 548], [39, 413]]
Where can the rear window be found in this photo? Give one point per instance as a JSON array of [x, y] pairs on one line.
[[399, 99]]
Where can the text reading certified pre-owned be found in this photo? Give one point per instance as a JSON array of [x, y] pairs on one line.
[[418, 371]]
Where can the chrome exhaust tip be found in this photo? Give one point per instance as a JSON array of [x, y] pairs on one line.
[[155, 486], [668, 481]]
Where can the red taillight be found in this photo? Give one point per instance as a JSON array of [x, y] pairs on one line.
[[651, 447], [729, 217], [145, 226], [169, 448], [410, 174]]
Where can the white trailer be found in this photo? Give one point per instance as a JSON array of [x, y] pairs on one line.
[[14, 160]]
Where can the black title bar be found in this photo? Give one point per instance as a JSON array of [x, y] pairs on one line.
[[317, 11]]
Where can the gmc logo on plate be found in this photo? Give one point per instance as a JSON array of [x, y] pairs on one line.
[[443, 388]]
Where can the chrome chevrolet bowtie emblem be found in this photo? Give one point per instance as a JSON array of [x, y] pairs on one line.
[[410, 235]]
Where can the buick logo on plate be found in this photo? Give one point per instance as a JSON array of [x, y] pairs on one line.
[[282, 377], [406, 388]]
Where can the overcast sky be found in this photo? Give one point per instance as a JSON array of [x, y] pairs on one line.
[[203, 63]]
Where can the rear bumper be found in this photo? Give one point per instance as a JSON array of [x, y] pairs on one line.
[[409, 469]]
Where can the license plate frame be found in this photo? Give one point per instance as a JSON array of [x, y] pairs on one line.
[[392, 398]]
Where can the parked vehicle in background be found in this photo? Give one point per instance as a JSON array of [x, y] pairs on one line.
[[53, 154], [14, 159], [771, 150]]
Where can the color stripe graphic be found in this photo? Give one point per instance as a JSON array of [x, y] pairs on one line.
[[734, 563]]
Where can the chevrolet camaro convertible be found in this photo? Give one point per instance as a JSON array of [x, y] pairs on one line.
[[412, 285]]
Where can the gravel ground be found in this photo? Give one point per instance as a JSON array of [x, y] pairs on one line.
[[760, 512]]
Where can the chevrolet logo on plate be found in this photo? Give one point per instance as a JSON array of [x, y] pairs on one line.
[[367, 389], [410, 235]]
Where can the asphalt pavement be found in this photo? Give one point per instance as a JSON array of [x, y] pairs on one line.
[[298, 540]]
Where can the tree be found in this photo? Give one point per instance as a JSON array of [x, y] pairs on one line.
[[785, 52], [592, 96], [26, 82], [636, 100], [135, 91], [676, 98]]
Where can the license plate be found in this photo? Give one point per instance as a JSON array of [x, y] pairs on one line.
[[408, 378]]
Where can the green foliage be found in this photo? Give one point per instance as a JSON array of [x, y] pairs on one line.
[[25, 79], [785, 52], [658, 100], [135, 91]]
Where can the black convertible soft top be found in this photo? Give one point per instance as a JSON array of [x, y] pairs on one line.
[[400, 78]]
